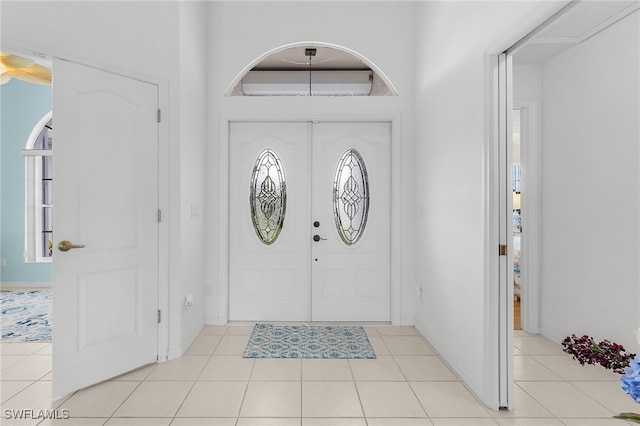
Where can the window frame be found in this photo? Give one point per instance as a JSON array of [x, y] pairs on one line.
[[34, 206]]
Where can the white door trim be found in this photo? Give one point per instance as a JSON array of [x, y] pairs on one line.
[[395, 121], [498, 351], [163, 174], [163, 226]]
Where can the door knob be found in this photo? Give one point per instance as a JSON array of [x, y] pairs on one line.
[[318, 238], [68, 245]]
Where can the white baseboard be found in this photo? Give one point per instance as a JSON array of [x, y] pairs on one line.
[[450, 361], [213, 321], [12, 285], [407, 322], [555, 338], [174, 353]]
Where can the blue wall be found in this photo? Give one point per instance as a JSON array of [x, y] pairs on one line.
[[22, 106]]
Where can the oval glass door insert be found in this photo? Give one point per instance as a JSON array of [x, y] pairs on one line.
[[268, 198], [351, 197]]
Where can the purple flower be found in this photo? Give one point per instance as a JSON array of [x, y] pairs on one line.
[[630, 381], [606, 353]]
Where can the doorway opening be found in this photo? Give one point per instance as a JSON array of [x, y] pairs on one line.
[[25, 82], [533, 43], [516, 178], [305, 59]]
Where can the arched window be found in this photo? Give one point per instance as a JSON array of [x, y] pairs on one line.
[[38, 156], [311, 69]]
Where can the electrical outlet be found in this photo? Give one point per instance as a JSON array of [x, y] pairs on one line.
[[3, 262], [188, 300], [418, 289]]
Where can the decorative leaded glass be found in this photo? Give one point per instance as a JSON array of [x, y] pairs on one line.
[[268, 198], [351, 197]]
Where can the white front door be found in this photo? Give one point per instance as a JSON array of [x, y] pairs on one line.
[[105, 291], [268, 281], [290, 258], [351, 268]]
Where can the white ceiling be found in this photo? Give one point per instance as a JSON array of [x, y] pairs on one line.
[[574, 24]]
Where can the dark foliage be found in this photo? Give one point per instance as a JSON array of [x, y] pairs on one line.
[[585, 350]]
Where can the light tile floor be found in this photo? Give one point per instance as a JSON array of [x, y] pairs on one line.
[[408, 384]]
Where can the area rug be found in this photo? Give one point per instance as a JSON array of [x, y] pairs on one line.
[[25, 316], [302, 341]]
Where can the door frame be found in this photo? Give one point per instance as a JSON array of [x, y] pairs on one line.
[[498, 322], [226, 120], [163, 171]]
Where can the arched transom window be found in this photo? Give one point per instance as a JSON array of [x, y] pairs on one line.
[[311, 69]]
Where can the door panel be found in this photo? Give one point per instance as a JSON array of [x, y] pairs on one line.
[[106, 199], [297, 278], [268, 282], [351, 282]]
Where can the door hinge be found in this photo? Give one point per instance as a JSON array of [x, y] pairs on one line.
[[159, 215], [159, 115], [159, 316], [502, 248]]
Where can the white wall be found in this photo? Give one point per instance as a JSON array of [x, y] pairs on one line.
[[240, 32], [590, 188], [193, 139], [527, 95], [527, 82], [450, 132], [160, 41]]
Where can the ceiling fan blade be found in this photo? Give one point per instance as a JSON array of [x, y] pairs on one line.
[[33, 74], [15, 61], [4, 78]]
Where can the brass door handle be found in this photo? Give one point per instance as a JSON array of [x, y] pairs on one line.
[[68, 245]]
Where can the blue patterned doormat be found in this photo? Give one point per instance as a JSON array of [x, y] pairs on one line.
[[302, 341], [25, 316]]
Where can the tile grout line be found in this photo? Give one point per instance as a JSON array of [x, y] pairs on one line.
[[193, 384], [355, 385], [413, 391], [246, 389], [589, 396], [560, 380], [530, 356]]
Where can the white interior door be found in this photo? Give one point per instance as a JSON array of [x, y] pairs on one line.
[[106, 292], [351, 180], [294, 277]]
